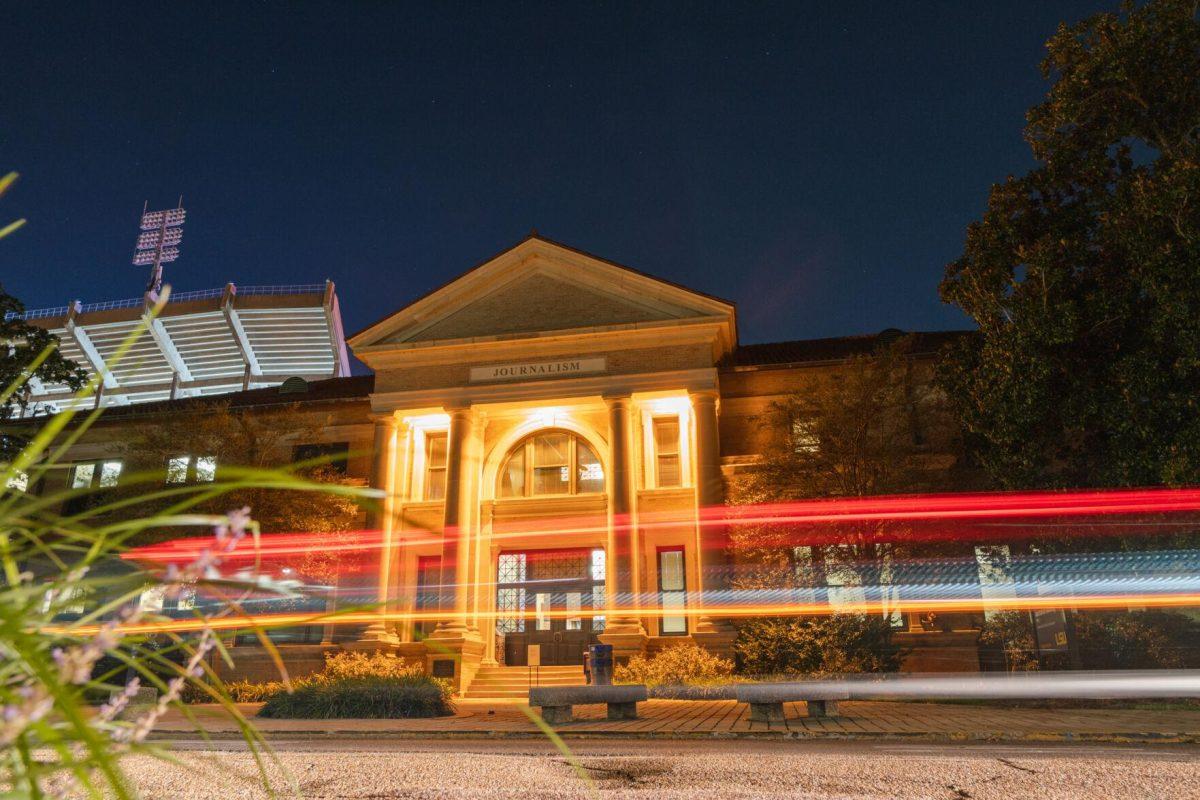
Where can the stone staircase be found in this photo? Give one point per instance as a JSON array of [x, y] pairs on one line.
[[514, 682]]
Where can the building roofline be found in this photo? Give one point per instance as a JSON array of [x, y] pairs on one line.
[[532, 236]]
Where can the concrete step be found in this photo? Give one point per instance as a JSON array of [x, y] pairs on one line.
[[514, 682]]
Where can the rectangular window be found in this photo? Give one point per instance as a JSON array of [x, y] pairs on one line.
[[541, 602], [86, 478], [81, 476], [672, 591], [201, 469], [429, 578], [552, 464], [110, 472], [102, 474], [574, 607], [667, 470], [510, 608], [597, 607], [177, 469], [804, 435], [435, 466], [206, 469]]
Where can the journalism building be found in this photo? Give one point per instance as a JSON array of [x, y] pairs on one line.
[[546, 429]]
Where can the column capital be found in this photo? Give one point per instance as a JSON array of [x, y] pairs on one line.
[[703, 395], [389, 419], [460, 409], [617, 399]]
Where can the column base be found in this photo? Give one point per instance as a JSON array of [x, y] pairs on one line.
[[627, 637], [377, 635], [452, 657]]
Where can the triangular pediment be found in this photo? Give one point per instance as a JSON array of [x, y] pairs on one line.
[[539, 286]]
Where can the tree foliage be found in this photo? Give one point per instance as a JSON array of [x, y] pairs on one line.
[[262, 440], [873, 427], [24, 346], [1084, 274]]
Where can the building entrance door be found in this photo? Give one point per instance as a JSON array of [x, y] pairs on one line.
[[549, 598]]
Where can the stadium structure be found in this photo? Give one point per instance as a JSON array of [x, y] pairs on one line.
[[204, 342]]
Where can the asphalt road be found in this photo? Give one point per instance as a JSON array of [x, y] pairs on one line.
[[348, 768]]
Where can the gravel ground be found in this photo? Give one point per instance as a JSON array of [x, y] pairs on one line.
[[647, 770]]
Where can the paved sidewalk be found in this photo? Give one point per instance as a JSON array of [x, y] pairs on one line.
[[692, 718]]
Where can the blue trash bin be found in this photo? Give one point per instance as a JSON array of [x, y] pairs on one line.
[[600, 657]]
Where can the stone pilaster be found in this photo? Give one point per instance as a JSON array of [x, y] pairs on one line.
[[714, 633], [379, 518]]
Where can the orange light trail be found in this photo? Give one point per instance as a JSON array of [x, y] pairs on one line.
[[1042, 602]]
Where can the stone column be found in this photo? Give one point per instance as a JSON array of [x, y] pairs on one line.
[[456, 526], [624, 632], [714, 633], [379, 518], [454, 650]]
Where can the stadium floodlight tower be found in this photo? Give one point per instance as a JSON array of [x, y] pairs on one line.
[[158, 243]]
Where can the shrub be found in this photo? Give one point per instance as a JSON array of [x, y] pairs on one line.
[[682, 664], [1010, 635], [816, 646], [321, 697], [1137, 640], [352, 665], [238, 692]]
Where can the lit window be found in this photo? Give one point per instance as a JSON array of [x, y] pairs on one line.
[[598, 607], [542, 611], [104, 474], [574, 606], [510, 568], [435, 466], [201, 469], [550, 463], [18, 481], [667, 470], [672, 591], [81, 476], [804, 435], [598, 564], [206, 469], [177, 469], [510, 606], [151, 601], [110, 472]]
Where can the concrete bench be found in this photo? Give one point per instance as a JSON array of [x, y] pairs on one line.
[[556, 702], [766, 699]]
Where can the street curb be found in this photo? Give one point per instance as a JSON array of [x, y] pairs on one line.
[[909, 736]]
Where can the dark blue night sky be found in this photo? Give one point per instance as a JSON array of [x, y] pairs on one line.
[[815, 162]]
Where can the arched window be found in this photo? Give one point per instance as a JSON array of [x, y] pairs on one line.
[[551, 462]]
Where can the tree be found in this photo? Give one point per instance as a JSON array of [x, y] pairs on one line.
[[1084, 275], [874, 426], [227, 438], [25, 345]]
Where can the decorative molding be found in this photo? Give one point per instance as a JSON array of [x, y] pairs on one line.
[[549, 390]]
